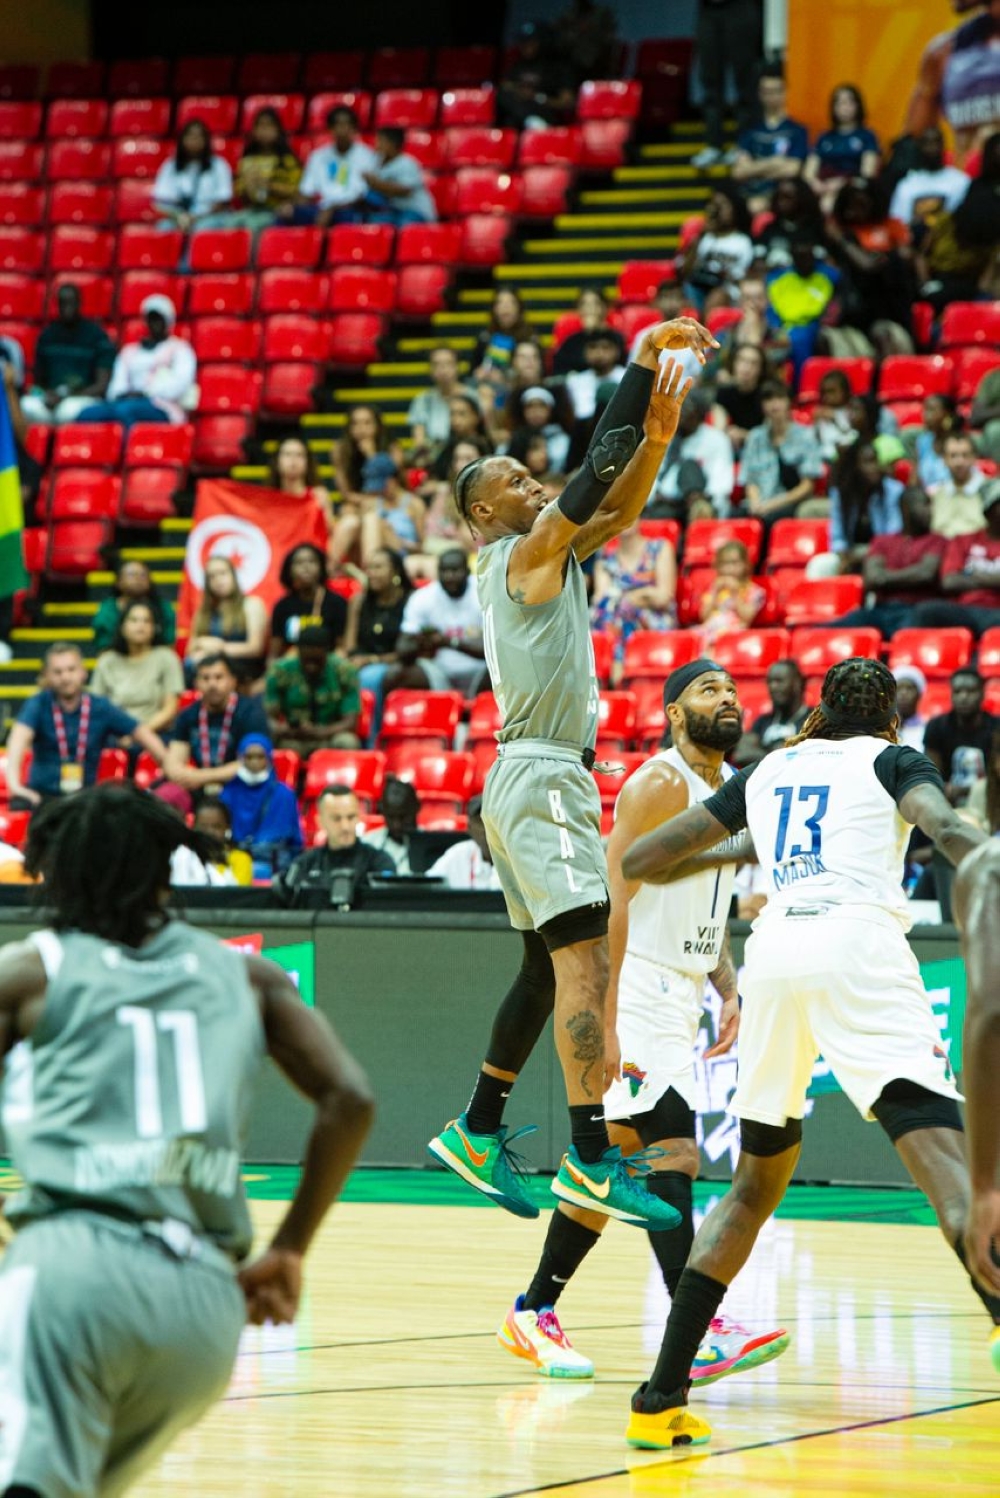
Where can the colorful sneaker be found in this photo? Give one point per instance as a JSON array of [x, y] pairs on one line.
[[537, 1337], [728, 1348], [995, 1348], [487, 1162], [654, 1425], [606, 1186]]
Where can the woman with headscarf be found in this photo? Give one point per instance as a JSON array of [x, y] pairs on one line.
[[264, 813], [154, 379]]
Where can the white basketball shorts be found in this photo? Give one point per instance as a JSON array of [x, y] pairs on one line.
[[659, 1011]]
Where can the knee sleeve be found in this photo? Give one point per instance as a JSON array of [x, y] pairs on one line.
[[768, 1139], [670, 1118], [904, 1107], [527, 1005], [586, 923]]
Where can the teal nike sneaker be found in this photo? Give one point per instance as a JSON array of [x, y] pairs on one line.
[[606, 1186], [487, 1163]]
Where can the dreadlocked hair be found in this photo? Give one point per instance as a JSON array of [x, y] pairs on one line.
[[859, 689], [104, 854]]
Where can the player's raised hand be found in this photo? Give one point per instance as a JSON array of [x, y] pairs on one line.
[[271, 1286], [680, 332], [663, 413], [982, 1240]]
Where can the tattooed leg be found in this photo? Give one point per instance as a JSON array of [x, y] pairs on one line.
[[581, 982]]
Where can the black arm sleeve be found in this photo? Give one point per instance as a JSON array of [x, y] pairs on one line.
[[900, 767], [729, 805], [611, 447]]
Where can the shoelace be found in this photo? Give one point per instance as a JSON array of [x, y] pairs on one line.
[[519, 1165], [722, 1327], [641, 1163], [548, 1324]]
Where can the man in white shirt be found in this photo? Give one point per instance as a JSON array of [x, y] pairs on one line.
[[468, 865], [442, 629], [956, 507], [153, 379], [397, 191], [930, 186], [699, 463], [604, 352], [333, 183]]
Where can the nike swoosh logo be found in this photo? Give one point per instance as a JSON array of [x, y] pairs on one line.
[[597, 1118], [557, 1279], [578, 1176], [477, 1157]]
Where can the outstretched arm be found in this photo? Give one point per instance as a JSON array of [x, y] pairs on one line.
[[654, 857], [926, 806]]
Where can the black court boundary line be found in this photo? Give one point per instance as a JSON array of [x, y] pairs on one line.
[[701, 1452]]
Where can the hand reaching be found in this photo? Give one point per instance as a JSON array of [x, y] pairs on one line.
[[271, 1286], [680, 332], [663, 414], [729, 1024], [982, 1240]]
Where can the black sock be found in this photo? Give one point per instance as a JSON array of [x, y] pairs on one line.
[[484, 1113], [588, 1131], [991, 1302], [696, 1300], [567, 1244], [672, 1246]]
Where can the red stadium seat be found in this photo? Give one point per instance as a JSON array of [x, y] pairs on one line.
[[291, 291], [427, 147], [825, 599], [603, 647], [972, 365], [21, 161], [134, 286], [80, 248], [468, 106], [222, 340], [264, 72], [429, 244], [703, 538], [75, 547], [609, 785], [484, 239], [858, 371], [289, 107], [155, 444], [19, 121], [289, 387], [87, 444], [480, 190], [218, 442], [406, 107], [915, 376], [321, 105], [991, 696], [355, 289], [332, 70], [21, 297], [140, 116], [290, 336], [651, 655], [289, 248], [361, 244], [14, 826], [217, 112], [793, 542], [227, 389], [609, 99], [146, 771], [220, 249], [816, 650], [441, 779], [79, 203], [640, 280], [217, 292], [616, 715], [650, 718], [81, 494], [556, 145], [422, 290], [936, 652], [421, 715], [21, 205], [96, 293], [134, 201], [967, 323], [132, 79], [751, 652], [484, 718], [26, 334], [354, 338], [544, 191], [287, 767], [204, 75], [19, 81], [78, 160], [147, 495], [988, 656], [603, 144], [21, 250], [399, 67], [464, 65], [754, 699], [140, 248], [630, 320], [479, 145], [76, 117]]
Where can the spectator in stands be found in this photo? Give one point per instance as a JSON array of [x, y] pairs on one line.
[[941, 420], [467, 425], [440, 644], [571, 352], [772, 730], [443, 530], [227, 620], [738, 406], [697, 474], [727, 41], [985, 417], [537, 87], [264, 813], [719, 256], [390, 515], [911, 684], [957, 260], [364, 436], [864, 503], [983, 805], [798, 296], [138, 675], [399, 806], [781, 459], [469, 864], [795, 215], [12, 356], [774, 148], [901, 568], [845, 152], [292, 470], [534, 414], [507, 327], [733, 600], [832, 416], [65, 729], [873, 253], [958, 74], [527, 365], [585, 35], [132, 582], [956, 507], [233, 869], [605, 355], [669, 303], [876, 424], [267, 177], [333, 184], [152, 380], [970, 575], [957, 742], [397, 190], [306, 600], [202, 748], [73, 360], [193, 183], [429, 416], [929, 187], [635, 586], [313, 873], [374, 620]]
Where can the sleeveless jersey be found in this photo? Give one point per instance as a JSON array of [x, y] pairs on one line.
[[681, 925], [826, 829], [131, 1095], [540, 656], [970, 88]]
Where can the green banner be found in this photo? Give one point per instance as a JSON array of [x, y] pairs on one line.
[[299, 961]]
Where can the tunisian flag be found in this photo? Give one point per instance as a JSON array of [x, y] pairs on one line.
[[255, 528]]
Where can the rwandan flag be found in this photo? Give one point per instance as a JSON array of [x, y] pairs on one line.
[[12, 573]]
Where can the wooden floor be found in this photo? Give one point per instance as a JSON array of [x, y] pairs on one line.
[[392, 1383]]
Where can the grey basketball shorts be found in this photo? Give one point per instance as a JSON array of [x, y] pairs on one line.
[[543, 821]]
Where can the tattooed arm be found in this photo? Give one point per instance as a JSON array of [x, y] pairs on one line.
[[739, 849], [724, 979], [660, 856]]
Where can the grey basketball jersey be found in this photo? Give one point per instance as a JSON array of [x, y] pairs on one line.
[[540, 656], [132, 1092]]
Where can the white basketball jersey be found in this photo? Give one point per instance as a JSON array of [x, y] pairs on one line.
[[825, 828], [681, 925]]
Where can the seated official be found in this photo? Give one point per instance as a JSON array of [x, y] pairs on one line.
[[310, 878]]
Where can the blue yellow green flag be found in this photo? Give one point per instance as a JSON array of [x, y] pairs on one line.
[[12, 573]]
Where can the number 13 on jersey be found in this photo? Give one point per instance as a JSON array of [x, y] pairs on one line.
[[797, 816]]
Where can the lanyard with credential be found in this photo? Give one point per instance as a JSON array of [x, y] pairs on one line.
[[71, 770], [203, 739]]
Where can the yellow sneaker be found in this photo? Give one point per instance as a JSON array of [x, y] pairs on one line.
[[655, 1425]]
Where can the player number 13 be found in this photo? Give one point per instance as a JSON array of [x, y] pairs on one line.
[[817, 796]]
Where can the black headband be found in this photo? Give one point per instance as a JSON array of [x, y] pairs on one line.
[[841, 719], [678, 681]]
